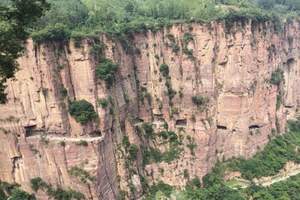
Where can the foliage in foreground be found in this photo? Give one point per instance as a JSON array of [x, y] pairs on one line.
[[274, 156], [15, 18], [13, 192], [55, 193], [266, 163]]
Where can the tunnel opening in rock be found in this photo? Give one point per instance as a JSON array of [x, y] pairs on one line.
[[288, 106], [29, 130], [290, 61], [220, 127], [181, 122], [255, 126], [96, 133]]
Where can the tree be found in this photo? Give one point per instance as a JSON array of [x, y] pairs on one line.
[[15, 17]]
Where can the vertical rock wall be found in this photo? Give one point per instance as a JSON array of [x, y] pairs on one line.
[[232, 68]]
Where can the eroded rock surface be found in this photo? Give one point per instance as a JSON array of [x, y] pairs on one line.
[[231, 68]]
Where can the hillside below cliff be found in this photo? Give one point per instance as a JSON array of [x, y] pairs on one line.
[[110, 117]]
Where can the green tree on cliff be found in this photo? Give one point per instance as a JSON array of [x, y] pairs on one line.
[[15, 18]]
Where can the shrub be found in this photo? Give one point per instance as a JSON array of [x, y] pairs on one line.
[[200, 101], [164, 69], [77, 37], [37, 183], [148, 130], [64, 92], [191, 145], [187, 37], [97, 48], [278, 101], [162, 187], [133, 149], [82, 143], [103, 103], [61, 194], [81, 174], [125, 142], [18, 194], [55, 193], [82, 111], [277, 77], [57, 32], [106, 71]]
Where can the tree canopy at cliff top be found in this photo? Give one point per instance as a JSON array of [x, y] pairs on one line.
[[123, 16]]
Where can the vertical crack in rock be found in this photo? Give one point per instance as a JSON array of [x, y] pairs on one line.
[[16, 161]]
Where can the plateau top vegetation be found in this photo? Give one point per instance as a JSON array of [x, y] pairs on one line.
[[81, 18]]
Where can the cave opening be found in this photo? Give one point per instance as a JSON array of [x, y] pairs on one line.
[[255, 126], [181, 122], [220, 127]]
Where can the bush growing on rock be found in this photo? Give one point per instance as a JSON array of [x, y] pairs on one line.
[[103, 103], [200, 101], [277, 77], [83, 111], [54, 193], [106, 71], [57, 32], [164, 69], [83, 175], [133, 150]]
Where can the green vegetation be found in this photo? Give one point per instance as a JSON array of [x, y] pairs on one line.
[[200, 101], [57, 32], [164, 69], [83, 111], [148, 130], [173, 151], [277, 77], [55, 193], [285, 190], [81, 174], [274, 156], [173, 45], [120, 18], [268, 162], [133, 150], [13, 192], [145, 94], [106, 71], [187, 38], [103, 103], [162, 187], [82, 143], [64, 92], [278, 100], [15, 19], [191, 144]]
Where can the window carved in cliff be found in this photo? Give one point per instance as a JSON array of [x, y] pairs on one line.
[[181, 122], [220, 127]]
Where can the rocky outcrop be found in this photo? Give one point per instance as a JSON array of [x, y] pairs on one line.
[[230, 68]]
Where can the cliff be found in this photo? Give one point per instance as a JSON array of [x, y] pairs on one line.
[[216, 98]]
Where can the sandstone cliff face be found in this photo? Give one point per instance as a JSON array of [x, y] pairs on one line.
[[232, 68]]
